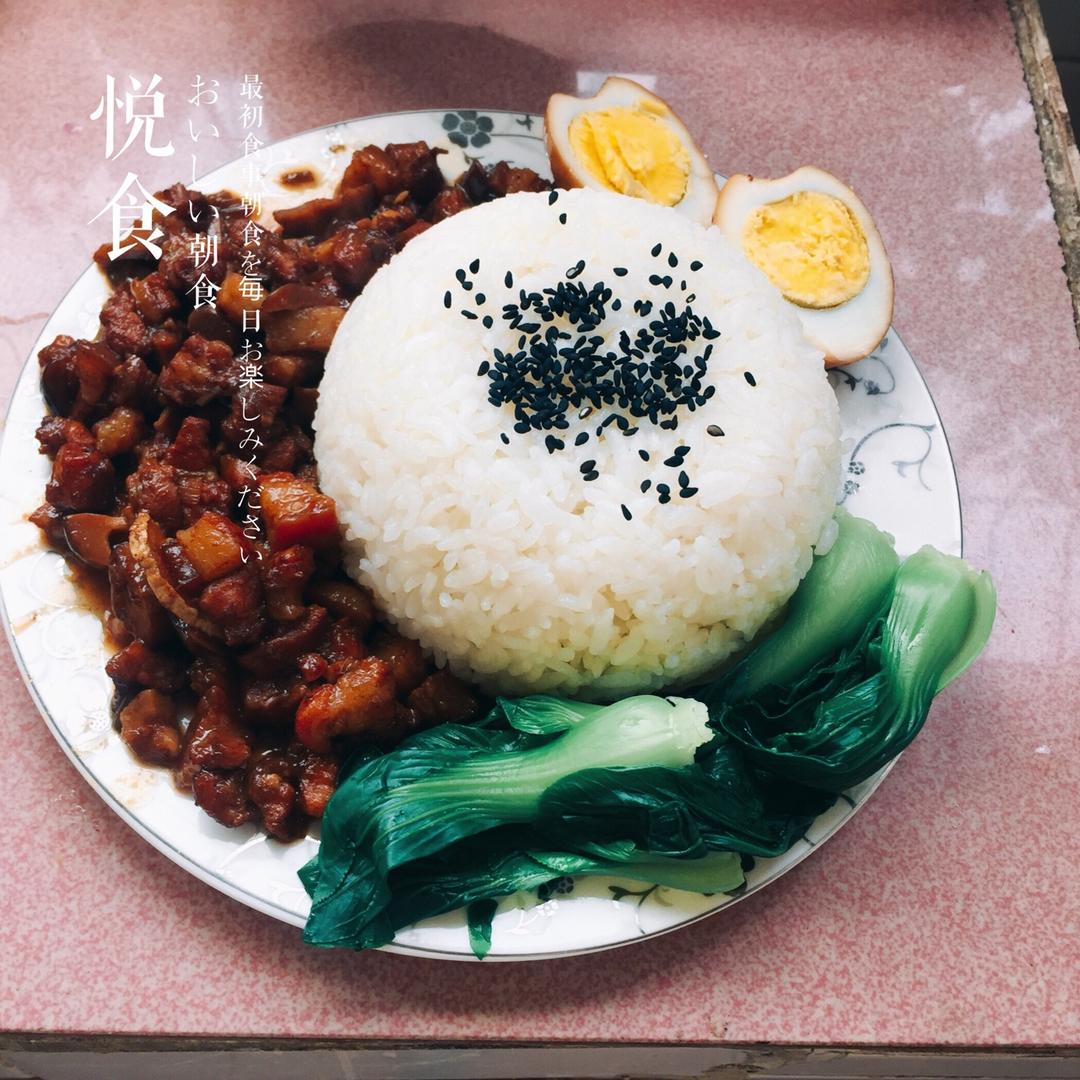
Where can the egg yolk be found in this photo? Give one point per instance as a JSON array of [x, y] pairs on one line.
[[632, 151], [811, 247]]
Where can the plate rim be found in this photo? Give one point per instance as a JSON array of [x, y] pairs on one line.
[[252, 900]]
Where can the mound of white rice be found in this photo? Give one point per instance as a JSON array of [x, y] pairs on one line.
[[499, 557]]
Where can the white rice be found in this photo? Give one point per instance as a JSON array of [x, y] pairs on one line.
[[501, 559]]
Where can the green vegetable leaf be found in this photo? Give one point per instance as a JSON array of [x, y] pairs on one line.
[[452, 782], [544, 715], [478, 916], [844, 719], [507, 860], [643, 790], [843, 591]]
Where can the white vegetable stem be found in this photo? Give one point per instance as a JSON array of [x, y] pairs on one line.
[[633, 733]]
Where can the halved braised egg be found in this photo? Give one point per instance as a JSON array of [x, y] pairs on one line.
[[627, 140], [816, 242]]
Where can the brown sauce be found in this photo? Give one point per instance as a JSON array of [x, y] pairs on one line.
[[93, 587], [299, 178]]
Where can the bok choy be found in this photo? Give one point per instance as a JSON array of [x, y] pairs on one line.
[[832, 724], [661, 790], [454, 781]]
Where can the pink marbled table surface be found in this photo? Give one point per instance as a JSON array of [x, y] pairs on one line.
[[948, 912]]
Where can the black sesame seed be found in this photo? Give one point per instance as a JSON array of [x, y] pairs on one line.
[[643, 454], [749, 378], [508, 281], [695, 266], [447, 299], [474, 266], [552, 197], [663, 489], [480, 298], [488, 322], [483, 368], [621, 271], [459, 274], [587, 466], [616, 304], [505, 438], [655, 279], [672, 261], [673, 462], [582, 439], [576, 269], [553, 444], [682, 451], [688, 492], [590, 476], [562, 219], [565, 365], [625, 513], [469, 314], [656, 250], [715, 430], [684, 480], [645, 485]]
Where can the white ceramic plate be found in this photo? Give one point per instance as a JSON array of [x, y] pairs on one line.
[[899, 475]]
